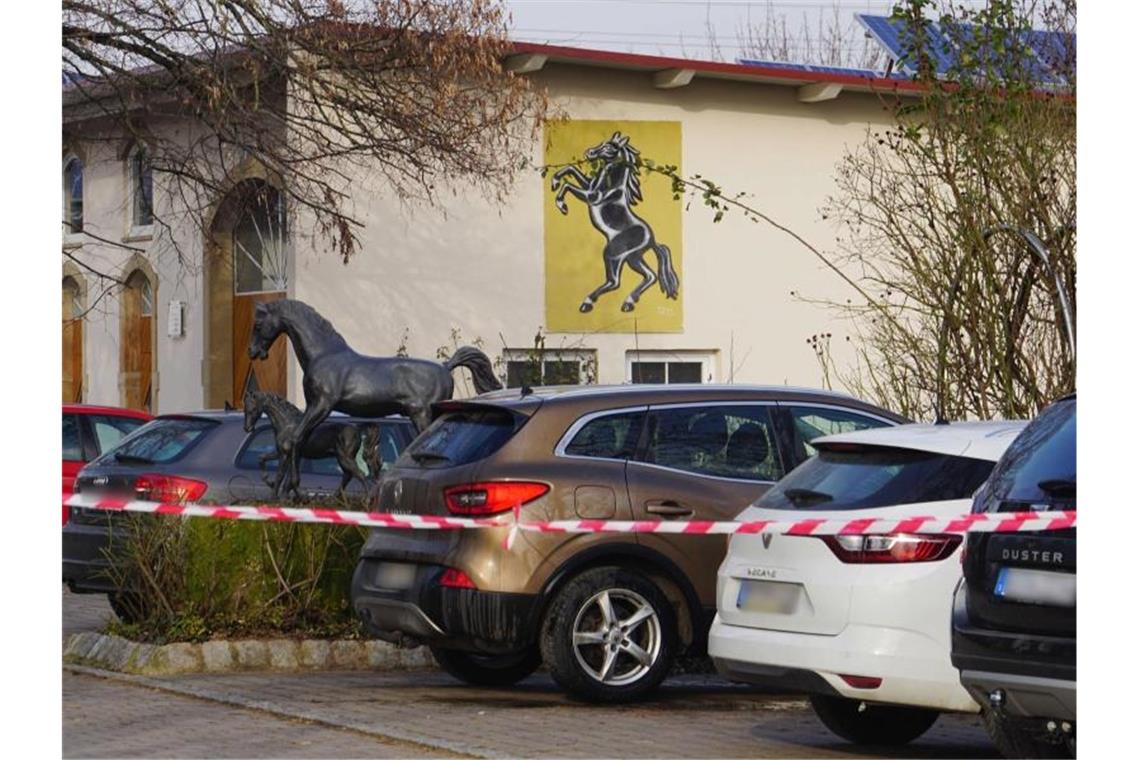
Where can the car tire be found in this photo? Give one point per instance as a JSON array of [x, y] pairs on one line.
[[1013, 740], [591, 654], [488, 669], [868, 723]]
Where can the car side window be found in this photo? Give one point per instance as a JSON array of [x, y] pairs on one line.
[[262, 442], [72, 445], [389, 446], [259, 444], [612, 436], [723, 441], [811, 422], [110, 430]]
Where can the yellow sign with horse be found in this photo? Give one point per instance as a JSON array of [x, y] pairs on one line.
[[612, 227]]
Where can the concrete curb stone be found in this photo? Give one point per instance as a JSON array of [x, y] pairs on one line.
[[218, 656], [122, 655]]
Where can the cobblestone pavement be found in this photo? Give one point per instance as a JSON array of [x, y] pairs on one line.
[[84, 612], [364, 714], [107, 718]]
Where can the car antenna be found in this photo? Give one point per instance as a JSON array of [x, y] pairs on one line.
[[525, 391]]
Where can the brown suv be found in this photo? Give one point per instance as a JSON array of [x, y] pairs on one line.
[[607, 612]]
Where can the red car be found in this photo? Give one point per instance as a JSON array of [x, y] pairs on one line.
[[88, 431]]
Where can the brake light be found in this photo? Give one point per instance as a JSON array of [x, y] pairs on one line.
[[168, 489], [901, 547], [491, 498], [453, 578]]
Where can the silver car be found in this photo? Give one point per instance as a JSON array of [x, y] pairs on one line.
[[205, 457]]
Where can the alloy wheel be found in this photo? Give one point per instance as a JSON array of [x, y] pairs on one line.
[[616, 636]]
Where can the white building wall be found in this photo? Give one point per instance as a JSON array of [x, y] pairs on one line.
[[109, 245], [472, 264]]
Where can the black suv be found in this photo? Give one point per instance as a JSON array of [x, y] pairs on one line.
[[1014, 635]]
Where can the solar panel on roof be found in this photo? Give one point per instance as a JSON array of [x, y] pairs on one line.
[[1047, 64], [898, 40]]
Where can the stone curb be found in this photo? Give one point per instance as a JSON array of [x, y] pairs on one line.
[[285, 655]]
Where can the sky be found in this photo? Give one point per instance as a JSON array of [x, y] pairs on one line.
[[681, 28]]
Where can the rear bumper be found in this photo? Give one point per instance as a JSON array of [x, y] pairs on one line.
[[84, 558], [914, 671], [423, 612], [1037, 674], [1024, 696]]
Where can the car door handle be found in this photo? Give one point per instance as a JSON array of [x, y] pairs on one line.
[[667, 509]]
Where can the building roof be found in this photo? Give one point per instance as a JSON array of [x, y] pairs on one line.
[[672, 72], [976, 440]]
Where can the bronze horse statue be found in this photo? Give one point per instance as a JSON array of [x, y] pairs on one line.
[[341, 440], [338, 378]]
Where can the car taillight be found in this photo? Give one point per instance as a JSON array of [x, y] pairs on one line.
[[491, 498], [901, 547], [453, 578], [168, 489]]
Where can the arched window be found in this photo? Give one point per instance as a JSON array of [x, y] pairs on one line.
[[141, 180], [73, 194], [259, 240]]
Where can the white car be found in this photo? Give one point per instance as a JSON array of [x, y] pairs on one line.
[[861, 623]]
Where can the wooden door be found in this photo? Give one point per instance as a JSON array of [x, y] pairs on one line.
[[255, 374], [72, 344], [136, 360]]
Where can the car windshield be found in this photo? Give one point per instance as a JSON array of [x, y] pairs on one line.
[[461, 437], [161, 440], [1041, 464], [869, 477]]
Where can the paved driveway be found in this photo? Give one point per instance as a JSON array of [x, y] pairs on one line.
[[364, 714]]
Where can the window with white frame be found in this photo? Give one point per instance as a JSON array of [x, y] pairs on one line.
[[533, 367], [668, 367], [140, 181], [72, 195]]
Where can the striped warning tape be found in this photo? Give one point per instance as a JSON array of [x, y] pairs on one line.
[[1004, 522]]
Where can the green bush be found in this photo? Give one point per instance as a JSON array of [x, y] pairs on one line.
[[190, 579]]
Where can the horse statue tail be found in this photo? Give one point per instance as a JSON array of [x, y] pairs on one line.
[[481, 370], [666, 275]]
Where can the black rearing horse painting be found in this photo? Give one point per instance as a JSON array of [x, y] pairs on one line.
[[610, 193], [336, 377]]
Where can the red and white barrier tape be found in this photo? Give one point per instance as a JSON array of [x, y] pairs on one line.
[[1004, 522]]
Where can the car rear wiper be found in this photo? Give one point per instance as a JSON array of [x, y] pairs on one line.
[[426, 456], [1059, 486], [797, 495], [133, 458]]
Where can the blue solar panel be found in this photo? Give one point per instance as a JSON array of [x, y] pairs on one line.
[[1047, 62]]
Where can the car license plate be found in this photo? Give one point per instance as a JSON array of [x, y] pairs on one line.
[[1023, 584], [771, 597], [397, 576]]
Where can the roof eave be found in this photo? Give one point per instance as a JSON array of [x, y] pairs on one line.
[[713, 69]]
